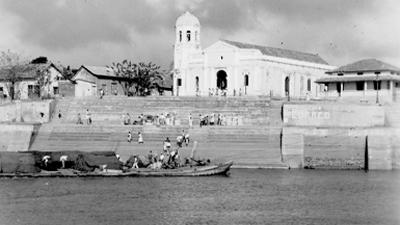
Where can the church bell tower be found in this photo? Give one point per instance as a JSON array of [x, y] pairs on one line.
[[187, 38], [187, 43]]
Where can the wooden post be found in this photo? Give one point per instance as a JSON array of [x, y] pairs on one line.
[[366, 155]]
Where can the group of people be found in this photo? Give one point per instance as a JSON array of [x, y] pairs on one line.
[[139, 137], [217, 92], [212, 119], [127, 119], [164, 119], [222, 92], [47, 158], [167, 159], [88, 118]]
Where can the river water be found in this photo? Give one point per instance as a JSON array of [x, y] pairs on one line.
[[245, 197]]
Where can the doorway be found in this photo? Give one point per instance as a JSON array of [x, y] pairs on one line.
[[222, 83]]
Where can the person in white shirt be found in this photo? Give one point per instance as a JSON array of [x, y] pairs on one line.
[[46, 159], [140, 138], [63, 159]]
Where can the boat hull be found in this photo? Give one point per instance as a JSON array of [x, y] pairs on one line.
[[210, 170]]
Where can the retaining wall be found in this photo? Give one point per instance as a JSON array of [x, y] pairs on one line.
[[27, 111], [15, 137], [333, 115]]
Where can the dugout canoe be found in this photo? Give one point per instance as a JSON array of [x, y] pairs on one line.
[[195, 171]]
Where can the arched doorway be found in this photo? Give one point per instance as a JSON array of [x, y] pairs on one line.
[[246, 83], [222, 83], [287, 86]]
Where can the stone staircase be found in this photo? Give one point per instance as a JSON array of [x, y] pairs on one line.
[[111, 109], [248, 145], [256, 141]]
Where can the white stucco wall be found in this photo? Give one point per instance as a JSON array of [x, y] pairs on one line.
[[266, 74]]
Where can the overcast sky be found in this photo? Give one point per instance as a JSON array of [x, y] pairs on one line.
[[76, 32]]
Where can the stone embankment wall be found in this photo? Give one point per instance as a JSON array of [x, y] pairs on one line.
[[15, 137], [339, 136], [27, 111]]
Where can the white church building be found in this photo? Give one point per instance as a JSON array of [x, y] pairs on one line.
[[241, 68]]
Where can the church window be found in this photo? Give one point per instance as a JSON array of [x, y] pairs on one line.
[[1, 89], [179, 81], [222, 57], [180, 36], [246, 80], [188, 35], [360, 73], [309, 85], [340, 74]]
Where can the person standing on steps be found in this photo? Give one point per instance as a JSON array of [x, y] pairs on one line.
[[140, 138], [88, 117], [79, 119], [129, 136], [190, 120]]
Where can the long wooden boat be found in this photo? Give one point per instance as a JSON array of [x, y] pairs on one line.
[[208, 170]]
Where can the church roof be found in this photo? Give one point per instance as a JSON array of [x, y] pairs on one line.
[[365, 65], [281, 53], [187, 19]]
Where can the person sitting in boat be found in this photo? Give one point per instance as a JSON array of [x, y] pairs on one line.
[[63, 159], [174, 159], [167, 144], [46, 160], [150, 157], [187, 139], [135, 162], [156, 164], [179, 141]]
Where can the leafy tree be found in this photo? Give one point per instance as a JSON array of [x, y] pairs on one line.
[[141, 76], [127, 70], [147, 77], [67, 73], [43, 81], [12, 66]]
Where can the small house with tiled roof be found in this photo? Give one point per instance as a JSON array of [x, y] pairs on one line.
[[31, 80], [238, 68], [91, 80], [366, 80]]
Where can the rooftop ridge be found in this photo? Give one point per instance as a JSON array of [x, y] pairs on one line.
[[280, 52]]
